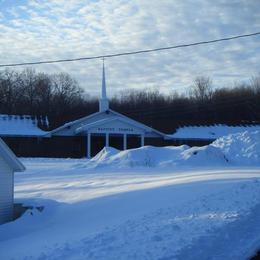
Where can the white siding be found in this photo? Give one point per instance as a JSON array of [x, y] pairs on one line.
[[6, 192]]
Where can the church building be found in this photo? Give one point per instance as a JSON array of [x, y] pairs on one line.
[[106, 124], [86, 136]]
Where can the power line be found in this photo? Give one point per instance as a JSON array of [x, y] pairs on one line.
[[132, 52]]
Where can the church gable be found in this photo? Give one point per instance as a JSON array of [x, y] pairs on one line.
[[112, 125], [105, 122], [69, 128]]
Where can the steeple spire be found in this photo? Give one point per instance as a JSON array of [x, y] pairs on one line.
[[104, 92], [103, 101]]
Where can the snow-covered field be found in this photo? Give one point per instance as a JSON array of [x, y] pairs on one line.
[[147, 203]]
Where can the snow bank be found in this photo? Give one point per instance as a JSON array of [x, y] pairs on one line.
[[147, 156], [234, 149], [204, 156], [241, 148]]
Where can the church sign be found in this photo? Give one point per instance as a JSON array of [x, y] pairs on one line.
[[114, 129]]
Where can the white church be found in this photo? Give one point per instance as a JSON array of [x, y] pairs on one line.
[[106, 123], [86, 136]]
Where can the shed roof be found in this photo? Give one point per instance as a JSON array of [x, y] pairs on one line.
[[10, 158], [211, 132], [21, 125]]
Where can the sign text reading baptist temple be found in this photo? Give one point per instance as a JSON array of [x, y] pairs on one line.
[[113, 129]]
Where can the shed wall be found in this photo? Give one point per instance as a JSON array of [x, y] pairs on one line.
[[6, 192]]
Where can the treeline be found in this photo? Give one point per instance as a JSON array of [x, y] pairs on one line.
[[57, 96], [203, 105], [60, 97]]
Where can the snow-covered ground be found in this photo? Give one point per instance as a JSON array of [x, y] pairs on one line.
[[146, 203]]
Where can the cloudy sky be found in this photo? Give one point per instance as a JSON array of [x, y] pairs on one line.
[[32, 30]]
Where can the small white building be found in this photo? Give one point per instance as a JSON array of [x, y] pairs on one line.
[[8, 165]]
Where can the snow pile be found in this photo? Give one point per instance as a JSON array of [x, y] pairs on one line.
[[236, 149], [203, 156], [241, 148], [147, 156], [104, 155], [211, 132]]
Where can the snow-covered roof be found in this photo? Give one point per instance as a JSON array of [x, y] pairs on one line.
[[103, 116], [21, 125], [10, 158], [210, 132]]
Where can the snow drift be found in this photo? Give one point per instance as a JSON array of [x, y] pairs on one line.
[[241, 148], [235, 149]]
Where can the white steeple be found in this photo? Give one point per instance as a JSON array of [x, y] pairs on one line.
[[103, 101]]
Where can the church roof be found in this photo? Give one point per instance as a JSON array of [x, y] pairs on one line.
[[71, 123], [102, 117]]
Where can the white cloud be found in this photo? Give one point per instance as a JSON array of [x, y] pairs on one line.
[[56, 29]]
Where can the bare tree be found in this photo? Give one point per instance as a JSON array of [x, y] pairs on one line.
[[43, 93], [10, 90], [65, 88], [202, 89], [27, 83], [255, 83]]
